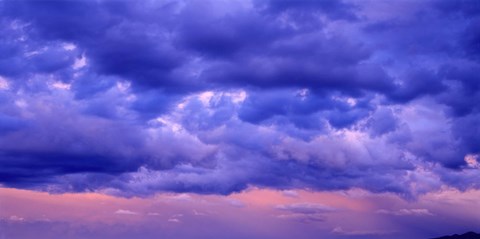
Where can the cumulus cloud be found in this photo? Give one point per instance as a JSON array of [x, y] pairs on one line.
[[472, 160], [134, 98]]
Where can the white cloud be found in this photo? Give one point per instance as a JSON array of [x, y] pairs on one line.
[[175, 220], [290, 193], [16, 218], [181, 197], [125, 212], [80, 62], [60, 85], [69, 46], [197, 213], [4, 85], [472, 160]]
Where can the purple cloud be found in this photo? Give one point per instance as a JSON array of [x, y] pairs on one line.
[[213, 97]]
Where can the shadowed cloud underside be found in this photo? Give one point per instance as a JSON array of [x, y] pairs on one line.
[[212, 97]]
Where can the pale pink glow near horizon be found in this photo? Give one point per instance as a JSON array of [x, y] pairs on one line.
[[259, 210]]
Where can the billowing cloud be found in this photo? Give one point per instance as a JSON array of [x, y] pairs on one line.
[[213, 97]]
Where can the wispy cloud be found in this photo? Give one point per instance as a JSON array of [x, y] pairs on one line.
[[305, 208], [406, 212], [341, 231], [125, 212]]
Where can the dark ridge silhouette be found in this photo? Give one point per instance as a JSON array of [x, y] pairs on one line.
[[468, 235]]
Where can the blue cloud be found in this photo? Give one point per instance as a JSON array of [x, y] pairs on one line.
[[213, 97]]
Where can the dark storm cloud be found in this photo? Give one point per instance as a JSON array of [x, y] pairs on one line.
[[76, 21], [31, 155], [149, 54], [418, 82], [53, 163], [462, 96], [212, 96], [105, 32], [310, 61], [466, 128], [218, 36]]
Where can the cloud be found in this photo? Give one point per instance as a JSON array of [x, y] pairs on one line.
[[305, 208], [303, 218], [125, 212], [290, 193], [339, 230], [215, 97], [236, 203], [335, 9], [382, 121], [175, 218], [304, 212], [181, 197], [16, 218], [472, 160], [407, 212]]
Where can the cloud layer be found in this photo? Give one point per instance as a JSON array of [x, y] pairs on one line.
[[215, 96]]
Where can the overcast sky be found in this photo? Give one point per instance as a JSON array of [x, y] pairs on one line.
[[239, 119]]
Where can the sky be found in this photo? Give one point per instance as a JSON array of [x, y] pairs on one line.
[[341, 119]]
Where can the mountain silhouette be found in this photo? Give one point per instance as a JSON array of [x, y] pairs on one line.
[[468, 235]]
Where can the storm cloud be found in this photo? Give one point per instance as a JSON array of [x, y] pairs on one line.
[[134, 98]]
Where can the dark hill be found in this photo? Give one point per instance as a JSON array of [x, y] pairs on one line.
[[468, 235]]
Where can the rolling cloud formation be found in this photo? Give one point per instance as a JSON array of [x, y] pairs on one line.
[[133, 98]]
